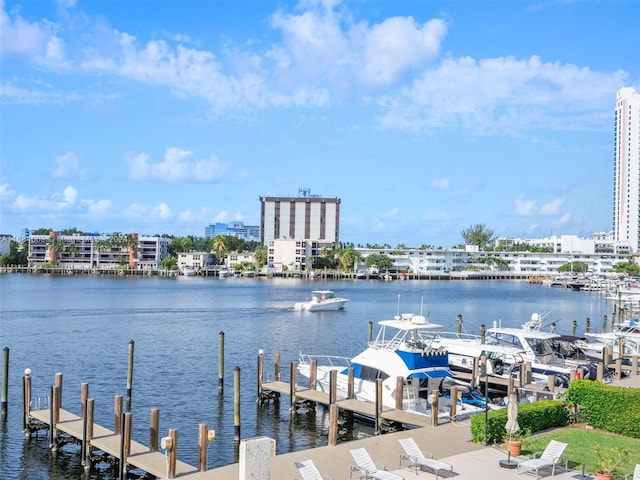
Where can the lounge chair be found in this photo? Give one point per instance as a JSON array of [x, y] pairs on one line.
[[418, 458], [549, 458], [309, 471], [366, 466], [635, 475]]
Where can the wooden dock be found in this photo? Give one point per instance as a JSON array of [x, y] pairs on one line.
[[349, 404], [105, 440]]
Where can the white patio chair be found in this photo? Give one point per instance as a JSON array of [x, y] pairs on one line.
[[367, 467], [547, 459], [635, 475], [419, 459], [309, 471]]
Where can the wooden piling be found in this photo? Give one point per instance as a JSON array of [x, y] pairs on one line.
[[125, 451], [89, 432], [55, 416], [26, 400], [587, 326], [203, 431], [221, 362], [276, 366], [173, 452], [84, 394], [333, 386], [260, 373], [378, 406], [130, 373], [634, 365], [154, 429], [313, 374], [574, 327], [117, 414], [604, 324], [369, 332], [350, 383], [434, 408], [333, 424], [600, 372], [58, 383], [399, 392], [292, 385], [236, 404], [453, 395], [551, 382], [5, 383], [483, 333], [459, 325]]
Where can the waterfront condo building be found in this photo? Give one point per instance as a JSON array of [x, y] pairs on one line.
[[306, 217], [626, 177]]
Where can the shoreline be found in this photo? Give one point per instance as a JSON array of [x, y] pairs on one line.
[[332, 275]]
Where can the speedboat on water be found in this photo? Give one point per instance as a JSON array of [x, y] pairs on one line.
[[507, 348], [321, 300], [403, 350]]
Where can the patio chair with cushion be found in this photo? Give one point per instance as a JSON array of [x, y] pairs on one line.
[[367, 467], [551, 456], [414, 454]]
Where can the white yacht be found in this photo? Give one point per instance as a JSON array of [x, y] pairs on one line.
[[507, 348], [402, 348]]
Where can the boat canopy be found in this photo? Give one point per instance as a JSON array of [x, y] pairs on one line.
[[440, 373]]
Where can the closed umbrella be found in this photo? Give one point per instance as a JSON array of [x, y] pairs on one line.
[[512, 425], [512, 414]]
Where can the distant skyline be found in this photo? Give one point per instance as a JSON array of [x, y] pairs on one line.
[[423, 117]]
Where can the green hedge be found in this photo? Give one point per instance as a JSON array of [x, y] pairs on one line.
[[615, 409], [532, 417]]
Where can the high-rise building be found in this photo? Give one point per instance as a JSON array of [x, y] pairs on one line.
[[306, 217], [626, 176]]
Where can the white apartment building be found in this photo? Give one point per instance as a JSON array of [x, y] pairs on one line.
[[600, 243], [86, 252], [194, 260], [305, 217], [294, 254], [626, 175]]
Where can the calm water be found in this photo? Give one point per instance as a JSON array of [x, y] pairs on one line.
[[81, 327]]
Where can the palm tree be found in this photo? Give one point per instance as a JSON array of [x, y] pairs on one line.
[[72, 250], [220, 247]]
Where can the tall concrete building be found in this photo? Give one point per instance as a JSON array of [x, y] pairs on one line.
[[626, 178], [306, 217]]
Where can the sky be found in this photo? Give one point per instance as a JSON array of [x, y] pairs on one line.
[[423, 117]]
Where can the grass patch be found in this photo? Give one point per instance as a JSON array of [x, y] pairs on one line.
[[580, 443]]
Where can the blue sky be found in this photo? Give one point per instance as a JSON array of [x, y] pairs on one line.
[[423, 117]]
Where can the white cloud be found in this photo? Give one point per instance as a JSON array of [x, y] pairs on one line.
[[68, 165], [176, 167], [399, 43], [221, 216], [162, 211], [529, 207], [393, 213], [503, 95], [553, 207], [525, 207], [6, 191], [20, 37], [563, 221]]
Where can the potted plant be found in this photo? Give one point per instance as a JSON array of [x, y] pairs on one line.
[[608, 460], [514, 443]]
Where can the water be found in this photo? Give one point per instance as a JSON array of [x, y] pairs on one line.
[[81, 327]]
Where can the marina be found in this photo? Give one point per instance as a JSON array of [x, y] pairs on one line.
[[81, 326]]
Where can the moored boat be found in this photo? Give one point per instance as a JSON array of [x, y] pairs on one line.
[[402, 350]]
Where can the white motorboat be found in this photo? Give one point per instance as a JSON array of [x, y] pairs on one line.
[[402, 349], [224, 273], [620, 341], [321, 300], [507, 348], [189, 271]]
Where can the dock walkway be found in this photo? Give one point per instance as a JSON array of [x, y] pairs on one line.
[[107, 441]]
